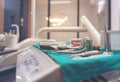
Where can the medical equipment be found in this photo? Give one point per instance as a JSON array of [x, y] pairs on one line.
[[76, 70], [17, 30], [89, 53], [12, 39], [76, 42], [88, 27], [72, 51], [87, 42], [114, 40], [35, 66], [10, 59], [90, 57], [105, 42], [84, 54]]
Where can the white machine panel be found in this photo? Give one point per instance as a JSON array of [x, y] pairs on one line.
[[115, 40], [34, 65]]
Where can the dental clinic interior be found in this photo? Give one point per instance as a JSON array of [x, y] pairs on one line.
[[59, 41]]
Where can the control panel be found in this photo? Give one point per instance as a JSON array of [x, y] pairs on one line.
[[33, 65]]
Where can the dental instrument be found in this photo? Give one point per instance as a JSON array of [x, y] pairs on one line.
[[107, 45], [72, 51], [89, 53], [90, 57], [84, 54]]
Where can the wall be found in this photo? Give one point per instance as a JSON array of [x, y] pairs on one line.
[[1, 15], [91, 11], [115, 14], [85, 9]]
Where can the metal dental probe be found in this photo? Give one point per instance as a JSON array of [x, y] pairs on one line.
[[73, 53]]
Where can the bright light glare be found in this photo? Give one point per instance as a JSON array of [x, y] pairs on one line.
[[60, 2], [57, 21]]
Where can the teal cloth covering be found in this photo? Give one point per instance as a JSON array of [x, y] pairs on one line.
[[76, 70]]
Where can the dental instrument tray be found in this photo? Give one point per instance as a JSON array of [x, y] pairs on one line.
[[115, 40], [81, 68]]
